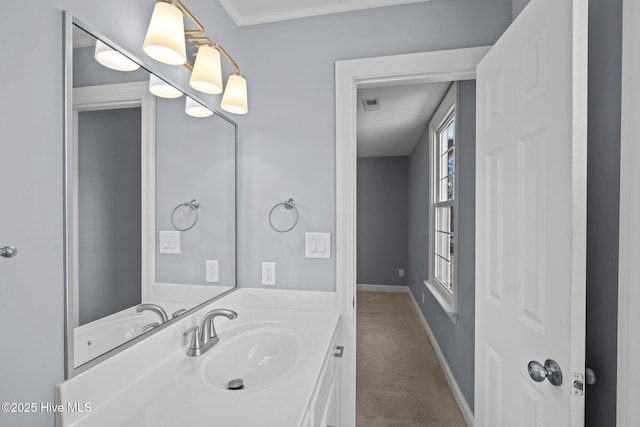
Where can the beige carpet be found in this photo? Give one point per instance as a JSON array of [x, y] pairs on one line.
[[399, 379]]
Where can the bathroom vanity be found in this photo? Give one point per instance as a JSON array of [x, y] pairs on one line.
[[285, 349], [136, 354]]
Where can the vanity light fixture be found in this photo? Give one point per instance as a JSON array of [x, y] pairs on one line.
[[160, 88], [234, 99], [165, 42], [195, 109], [113, 59], [206, 75]]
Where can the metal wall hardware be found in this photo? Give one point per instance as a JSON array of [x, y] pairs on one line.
[[8, 251], [193, 205], [339, 351], [288, 204], [551, 371]]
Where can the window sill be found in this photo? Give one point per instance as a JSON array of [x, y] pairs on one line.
[[445, 300]]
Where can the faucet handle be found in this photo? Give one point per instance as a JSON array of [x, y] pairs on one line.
[[196, 345], [150, 326], [178, 313]]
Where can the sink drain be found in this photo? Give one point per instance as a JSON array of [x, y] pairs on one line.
[[235, 384]]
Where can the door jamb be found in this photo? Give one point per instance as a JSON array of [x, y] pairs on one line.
[[351, 75], [628, 390]]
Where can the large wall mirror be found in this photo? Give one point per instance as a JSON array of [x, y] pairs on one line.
[[150, 202]]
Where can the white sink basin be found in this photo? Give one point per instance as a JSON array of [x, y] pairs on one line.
[[92, 340], [260, 354]]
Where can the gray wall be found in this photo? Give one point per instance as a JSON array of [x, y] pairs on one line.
[[195, 159], [455, 340], [383, 234], [109, 207], [518, 5], [287, 140], [31, 284]]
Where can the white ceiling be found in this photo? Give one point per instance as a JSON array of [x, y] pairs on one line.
[[250, 12], [404, 113]]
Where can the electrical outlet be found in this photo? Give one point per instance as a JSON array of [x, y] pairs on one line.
[[212, 272], [401, 272], [269, 273]]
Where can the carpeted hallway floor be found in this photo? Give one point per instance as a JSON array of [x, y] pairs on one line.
[[399, 380]]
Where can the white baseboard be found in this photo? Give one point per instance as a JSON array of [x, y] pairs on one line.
[[383, 288], [453, 384]]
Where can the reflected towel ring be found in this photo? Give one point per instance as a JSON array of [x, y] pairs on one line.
[[288, 204], [194, 205]]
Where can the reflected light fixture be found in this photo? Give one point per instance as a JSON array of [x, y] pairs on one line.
[[162, 89], [165, 42], [113, 59], [195, 109]]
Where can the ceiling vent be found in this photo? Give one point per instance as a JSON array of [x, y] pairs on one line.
[[371, 104]]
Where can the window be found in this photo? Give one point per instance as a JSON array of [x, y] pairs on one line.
[[442, 214], [443, 206]]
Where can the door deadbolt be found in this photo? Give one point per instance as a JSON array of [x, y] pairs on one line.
[[551, 371]]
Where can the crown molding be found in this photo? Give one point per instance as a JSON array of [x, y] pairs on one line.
[[283, 15]]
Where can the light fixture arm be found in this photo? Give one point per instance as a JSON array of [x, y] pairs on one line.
[[187, 12], [199, 41], [226, 55]]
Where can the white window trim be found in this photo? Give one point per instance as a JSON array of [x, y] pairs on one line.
[[447, 300]]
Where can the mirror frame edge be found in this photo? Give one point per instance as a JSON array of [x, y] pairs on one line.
[[70, 371]]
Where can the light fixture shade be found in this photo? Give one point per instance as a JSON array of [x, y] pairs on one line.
[[160, 88], [195, 109], [234, 99], [113, 59], [207, 72], [165, 36]]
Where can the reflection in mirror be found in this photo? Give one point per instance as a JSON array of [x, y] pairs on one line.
[[150, 203]]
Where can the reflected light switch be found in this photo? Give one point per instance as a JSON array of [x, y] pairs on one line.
[[169, 242], [317, 245]]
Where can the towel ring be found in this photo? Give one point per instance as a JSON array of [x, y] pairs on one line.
[[194, 205], [288, 204]]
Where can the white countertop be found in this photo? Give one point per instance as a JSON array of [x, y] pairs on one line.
[[171, 393]]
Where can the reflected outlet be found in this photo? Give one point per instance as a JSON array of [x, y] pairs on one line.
[[212, 271], [269, 273]]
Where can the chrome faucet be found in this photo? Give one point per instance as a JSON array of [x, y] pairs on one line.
[[205, 336], [156, 309]]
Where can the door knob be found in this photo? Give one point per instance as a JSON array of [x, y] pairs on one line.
[[551, 371], [8, 252]]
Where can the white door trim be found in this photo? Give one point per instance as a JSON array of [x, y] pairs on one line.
[[628, 392], [107, 97], [426, 67]]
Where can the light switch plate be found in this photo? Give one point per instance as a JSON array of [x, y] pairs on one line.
[[317, 245], [212, 272], [169, 242]]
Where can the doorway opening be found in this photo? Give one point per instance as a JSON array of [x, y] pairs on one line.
[[430, 67]]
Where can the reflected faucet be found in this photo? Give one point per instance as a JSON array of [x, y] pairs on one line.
[[205, 336], [156, 309]]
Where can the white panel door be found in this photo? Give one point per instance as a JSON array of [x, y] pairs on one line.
[[531, 217]]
